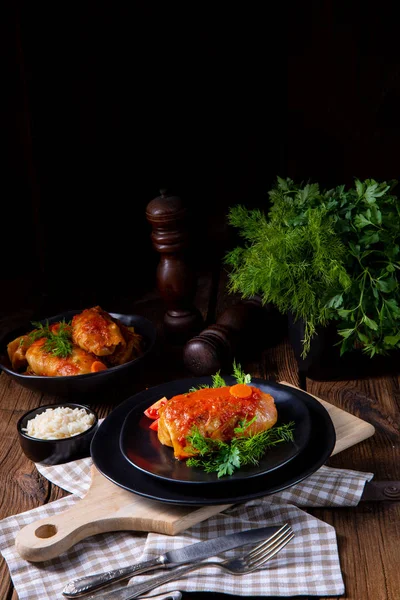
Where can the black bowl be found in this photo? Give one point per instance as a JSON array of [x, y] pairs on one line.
[[54, 452], [91, 383]]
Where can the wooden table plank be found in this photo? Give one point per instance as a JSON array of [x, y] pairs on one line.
[[368, 536]]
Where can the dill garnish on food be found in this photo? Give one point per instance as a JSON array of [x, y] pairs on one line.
[[58, 340], [225, 457], [218, 381]]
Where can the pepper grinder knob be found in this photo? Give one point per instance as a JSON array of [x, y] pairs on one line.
[[216, 347], [176, 280]]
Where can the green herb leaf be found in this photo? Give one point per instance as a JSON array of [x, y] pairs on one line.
[[386, 285], [361, 221], [370, 323], [392, 340], [394, 308], [335, 302], [344, 313], [362, 337], [345, 332]]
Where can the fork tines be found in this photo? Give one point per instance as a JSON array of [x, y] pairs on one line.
[[266, 550]]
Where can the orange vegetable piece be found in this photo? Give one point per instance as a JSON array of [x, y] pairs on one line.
[[241, 390], [97, 366]]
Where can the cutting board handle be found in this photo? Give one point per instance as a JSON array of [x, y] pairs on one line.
[[106, 507]]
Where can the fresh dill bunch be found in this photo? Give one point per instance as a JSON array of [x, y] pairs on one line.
[[292, 257], [58, 341], [225, 457]]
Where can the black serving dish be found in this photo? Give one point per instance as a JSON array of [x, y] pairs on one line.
[[111, 462], [141, 447], [81, 385], [54, 452]]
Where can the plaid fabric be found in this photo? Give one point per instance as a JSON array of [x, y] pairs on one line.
[[308, 565]]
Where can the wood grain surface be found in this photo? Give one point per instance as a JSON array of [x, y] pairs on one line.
[[368, 535]]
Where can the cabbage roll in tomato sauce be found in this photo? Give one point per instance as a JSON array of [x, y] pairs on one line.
[[16, 351], [215, 412], [134, 347], [95, 331], [79, 362]]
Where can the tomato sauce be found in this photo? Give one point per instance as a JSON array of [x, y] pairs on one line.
[[199, 408]]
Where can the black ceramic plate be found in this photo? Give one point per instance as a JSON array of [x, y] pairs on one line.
[[97, 383], [109, 460], [140, 445]]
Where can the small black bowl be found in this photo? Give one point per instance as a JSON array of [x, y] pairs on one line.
[[54, 452], [81, 385]]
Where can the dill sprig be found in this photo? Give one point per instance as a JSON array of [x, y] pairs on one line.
[[239, 374], [225, 457], [58, 341], [218, 381]]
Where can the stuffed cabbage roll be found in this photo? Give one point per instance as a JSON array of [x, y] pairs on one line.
[[16, 351], [215, 413], [43, 362], [95, 331], [132, 349]]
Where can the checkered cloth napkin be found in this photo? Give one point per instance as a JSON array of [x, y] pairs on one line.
[[309, 565]]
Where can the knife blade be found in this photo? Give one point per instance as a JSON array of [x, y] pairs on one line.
[[192, 553]]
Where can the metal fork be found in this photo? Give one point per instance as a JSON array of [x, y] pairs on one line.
[[247, 563]]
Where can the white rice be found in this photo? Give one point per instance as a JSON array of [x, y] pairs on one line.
[[58, 423]]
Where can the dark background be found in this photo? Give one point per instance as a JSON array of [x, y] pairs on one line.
[[104, 103]]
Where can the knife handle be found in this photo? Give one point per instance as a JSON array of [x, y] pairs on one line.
[[134, 591], [83, 585]]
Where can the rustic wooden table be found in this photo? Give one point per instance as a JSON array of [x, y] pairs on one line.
[[368, 535]]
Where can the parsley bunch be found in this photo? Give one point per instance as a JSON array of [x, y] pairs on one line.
[[367, 218]]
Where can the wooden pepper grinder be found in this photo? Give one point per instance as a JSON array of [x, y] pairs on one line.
[[176, 280], [239, 329]]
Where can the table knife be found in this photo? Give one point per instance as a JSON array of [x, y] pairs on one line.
[[187, 554], [384, 491]]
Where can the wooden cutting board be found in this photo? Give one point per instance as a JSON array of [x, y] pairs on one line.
[[107, 507]]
